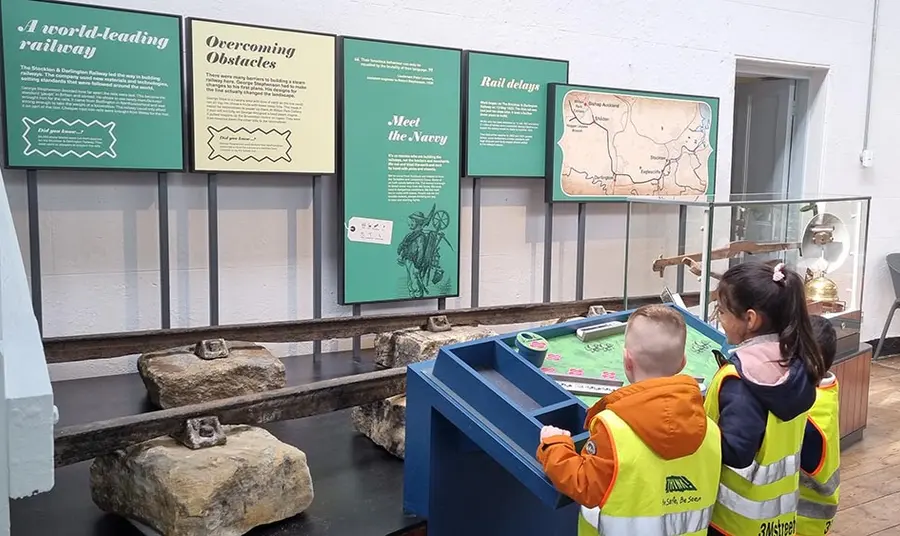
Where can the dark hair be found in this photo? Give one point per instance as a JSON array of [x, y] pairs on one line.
[[781, 305], [826, 337]]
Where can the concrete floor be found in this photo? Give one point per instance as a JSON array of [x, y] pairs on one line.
[[870, 470]]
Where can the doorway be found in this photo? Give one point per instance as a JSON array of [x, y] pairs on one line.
[[764, 110], [768, 154]]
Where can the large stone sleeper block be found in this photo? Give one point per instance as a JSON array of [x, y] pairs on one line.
[[253, 480], [384, 422], [384, 346], [409, 346], [177, 377]]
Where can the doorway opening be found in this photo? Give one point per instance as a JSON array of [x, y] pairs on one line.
[[764, 142], [778, 123]]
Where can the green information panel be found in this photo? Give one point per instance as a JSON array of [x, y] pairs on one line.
[[91, 88], [506, 126], [401, 167], [607, 144]]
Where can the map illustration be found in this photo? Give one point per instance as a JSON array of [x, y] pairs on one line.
[[616, 144]]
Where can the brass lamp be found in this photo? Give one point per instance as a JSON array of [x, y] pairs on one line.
[[825, 248], [819, 288]]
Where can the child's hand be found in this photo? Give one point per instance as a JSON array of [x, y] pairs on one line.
[[550, 431]]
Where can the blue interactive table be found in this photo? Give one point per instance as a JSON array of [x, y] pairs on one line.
[[474, 416]]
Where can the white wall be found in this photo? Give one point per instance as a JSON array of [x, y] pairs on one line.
[[882, 181], [99, 234]]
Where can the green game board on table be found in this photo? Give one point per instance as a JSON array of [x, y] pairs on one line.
[[602, 358]]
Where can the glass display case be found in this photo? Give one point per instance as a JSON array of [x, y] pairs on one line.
[[679, 247]]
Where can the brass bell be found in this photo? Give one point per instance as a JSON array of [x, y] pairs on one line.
[[821, 289]]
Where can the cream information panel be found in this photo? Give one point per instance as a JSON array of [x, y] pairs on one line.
[[263, 99]]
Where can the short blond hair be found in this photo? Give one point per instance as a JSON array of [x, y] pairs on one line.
[[655, 337]]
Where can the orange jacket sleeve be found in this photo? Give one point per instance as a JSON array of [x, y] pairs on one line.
[[584, 477]]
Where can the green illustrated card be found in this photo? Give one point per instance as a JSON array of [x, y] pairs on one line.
[[609, 144], [400, 173], [91, 88], [506, 116]]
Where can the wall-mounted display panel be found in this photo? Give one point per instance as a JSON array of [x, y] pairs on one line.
[[609, 144], [91, 88], [263, 99], [506, 113], [400, 171]]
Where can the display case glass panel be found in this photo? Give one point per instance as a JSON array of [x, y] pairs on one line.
[[682, 246]]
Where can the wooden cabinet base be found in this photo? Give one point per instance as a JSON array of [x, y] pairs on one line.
[[852, 439], [852, 372]]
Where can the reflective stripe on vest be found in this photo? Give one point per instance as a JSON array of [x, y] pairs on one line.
[[813, 510], [758, 510], [820, 491], [760, 475], [588, 520], [826, 488], [651, 496], [764, 496], [690, 522]]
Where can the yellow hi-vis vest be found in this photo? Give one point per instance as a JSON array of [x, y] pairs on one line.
[[820, 490], [762, 498], [650, 496]]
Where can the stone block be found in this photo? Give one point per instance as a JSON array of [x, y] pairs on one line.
[[252, 480], [384, 422], [177, 377], [406, 347], [384, 345]]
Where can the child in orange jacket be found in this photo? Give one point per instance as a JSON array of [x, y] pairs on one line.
[[663, 408]]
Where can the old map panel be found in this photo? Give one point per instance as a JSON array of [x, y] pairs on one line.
[[608, 144]]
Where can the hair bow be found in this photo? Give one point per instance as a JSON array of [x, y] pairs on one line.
[[778, 275]]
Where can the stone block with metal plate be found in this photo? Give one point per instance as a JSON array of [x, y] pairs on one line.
[[212, 481], [201, 433], [210, 370], [384, 422], [404, 347]]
